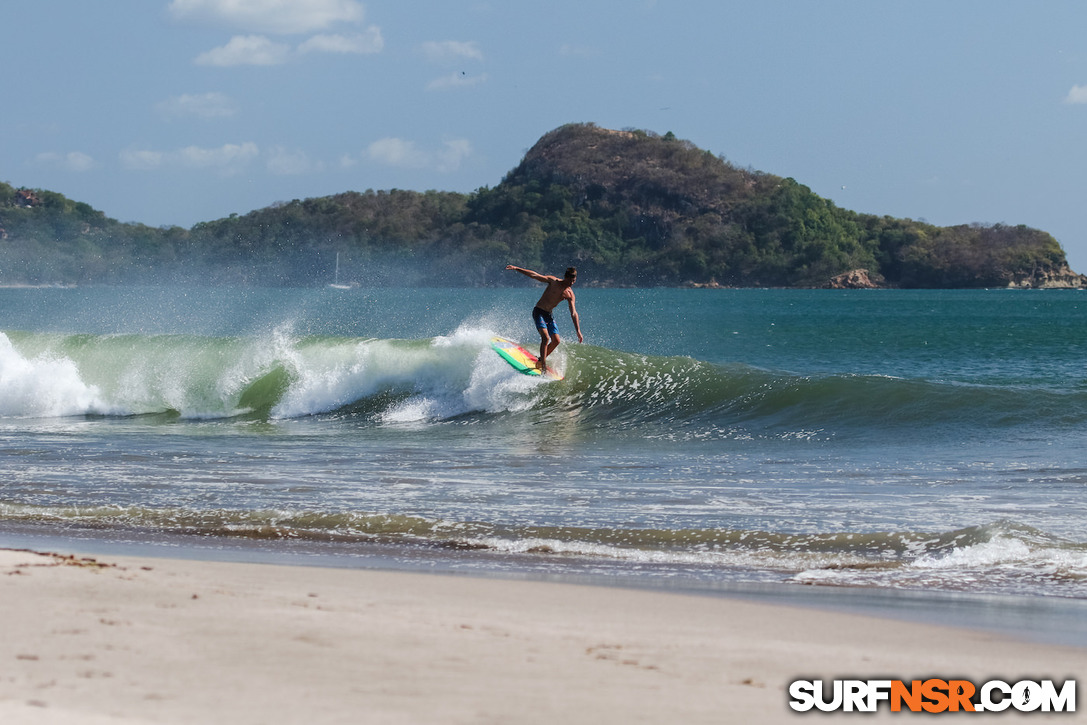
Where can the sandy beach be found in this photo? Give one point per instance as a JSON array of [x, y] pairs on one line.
[[128, 640]]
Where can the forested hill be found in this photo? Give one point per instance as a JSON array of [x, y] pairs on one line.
[[628, 208]]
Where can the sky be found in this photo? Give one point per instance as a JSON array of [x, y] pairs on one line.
[[173, 112]]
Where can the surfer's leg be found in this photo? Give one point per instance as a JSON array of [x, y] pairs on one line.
[[555, 342], [553, 329], [539, 318], [549, 335], [545, 342], [546, 348]]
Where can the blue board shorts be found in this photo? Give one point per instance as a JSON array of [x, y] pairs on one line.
[[544, 320]]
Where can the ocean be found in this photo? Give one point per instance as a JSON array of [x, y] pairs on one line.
[[918, 442]]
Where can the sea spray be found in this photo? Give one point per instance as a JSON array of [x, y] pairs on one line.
[[275, 375], [45, 385]]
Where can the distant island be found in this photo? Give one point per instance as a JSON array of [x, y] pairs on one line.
[[629, 208]]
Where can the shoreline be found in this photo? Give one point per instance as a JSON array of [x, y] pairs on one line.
[[1030, 618], [118, 638]]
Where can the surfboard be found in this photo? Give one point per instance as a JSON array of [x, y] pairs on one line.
[[521, 359]]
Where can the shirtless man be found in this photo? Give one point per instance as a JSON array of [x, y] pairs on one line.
[[557, 291]]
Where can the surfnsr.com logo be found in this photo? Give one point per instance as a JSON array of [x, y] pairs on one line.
[[933, 695]]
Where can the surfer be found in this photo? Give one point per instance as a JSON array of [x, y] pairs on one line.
[[557, 291]]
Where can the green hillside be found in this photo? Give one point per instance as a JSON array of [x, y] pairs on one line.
[[628, 208]]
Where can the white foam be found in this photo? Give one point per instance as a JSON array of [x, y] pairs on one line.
[[451, 376], [1010, 553], [206, 377], [998, 550], [44, 386], [495, 389], [413, 410], [729, 557], [328, 377]]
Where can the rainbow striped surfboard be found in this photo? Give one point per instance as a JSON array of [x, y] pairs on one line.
[[521, 359]]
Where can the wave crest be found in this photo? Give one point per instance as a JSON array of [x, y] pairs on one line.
[[398, 382]]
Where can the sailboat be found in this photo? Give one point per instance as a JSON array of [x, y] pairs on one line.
[[336, 280]]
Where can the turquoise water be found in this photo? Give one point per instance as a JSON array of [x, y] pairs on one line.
[[916, 440]]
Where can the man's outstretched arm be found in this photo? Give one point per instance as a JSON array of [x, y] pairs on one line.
[[529, 273]]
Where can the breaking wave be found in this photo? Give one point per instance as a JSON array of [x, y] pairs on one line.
[[389, 381]]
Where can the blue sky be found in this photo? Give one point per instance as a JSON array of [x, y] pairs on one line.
[[180, 111]]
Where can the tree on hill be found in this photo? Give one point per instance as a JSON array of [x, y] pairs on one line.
[[627, 207]]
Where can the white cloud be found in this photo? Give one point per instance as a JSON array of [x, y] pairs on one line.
[[452, 50], [1077, 95], [228, 159], [260, 50], [360, 43], [71, 161], [257, 19], [447, 52], [286, 17], [407, 154], [282, 162], [454, 152], [246, 50], [397, 152], [455, 80], [142, 159], [201, 105]]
